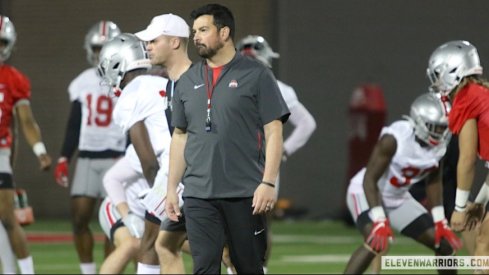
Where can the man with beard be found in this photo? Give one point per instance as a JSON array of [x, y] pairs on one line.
[[228, 114]]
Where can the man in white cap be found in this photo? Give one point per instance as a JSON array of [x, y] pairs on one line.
[[167, 25], [167, 39]]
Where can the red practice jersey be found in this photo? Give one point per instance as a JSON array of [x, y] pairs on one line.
[[472, 102], [15, 87]]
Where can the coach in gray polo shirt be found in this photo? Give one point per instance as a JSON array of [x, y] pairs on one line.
[[228, 113]]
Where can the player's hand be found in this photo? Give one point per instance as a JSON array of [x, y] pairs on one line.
[[475, 213], [263, 199], [380, 236], [135, 225], [457, 221], [61, 172], [172, 208], [443, 231], [44, 162]]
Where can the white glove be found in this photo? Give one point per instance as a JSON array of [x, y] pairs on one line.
[[135, 225]]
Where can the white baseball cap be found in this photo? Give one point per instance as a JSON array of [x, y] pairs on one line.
[[165, 24]]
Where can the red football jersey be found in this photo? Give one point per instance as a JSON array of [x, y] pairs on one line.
[[472, 102], [14, 87]]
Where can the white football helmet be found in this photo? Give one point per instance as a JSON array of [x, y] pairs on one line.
[[451, 62], [97, 36], [120, 55], [8, 35], [429, 118], [256, 46]]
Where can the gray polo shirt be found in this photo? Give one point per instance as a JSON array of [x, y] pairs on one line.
[[228, 161]]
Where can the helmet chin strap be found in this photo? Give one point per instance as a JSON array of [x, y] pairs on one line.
[[117, 92], [117, 88], [433, 141]]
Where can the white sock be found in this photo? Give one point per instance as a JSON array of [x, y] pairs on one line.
[[230, 270], [265, 270], [148, 269], [7, 257], [26, 265], [88, 268]]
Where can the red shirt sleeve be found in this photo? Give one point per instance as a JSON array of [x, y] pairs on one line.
[[467, 105], [22, 86], [472, 102]]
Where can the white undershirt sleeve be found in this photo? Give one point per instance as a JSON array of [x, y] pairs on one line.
[[304, 125], [115, 179]]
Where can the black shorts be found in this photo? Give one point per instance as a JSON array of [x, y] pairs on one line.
[[118, 224], [6, 181], [171, 226], [151, 218]]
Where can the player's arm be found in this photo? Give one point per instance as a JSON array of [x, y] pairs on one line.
[[15, 140], [304, 125], [142, 144], [475, 211], [378, 163], [32, 134], [72, 133], [176, 171], [467, 142], [434, 195], [380, 159], [265, 193], [70, 143]]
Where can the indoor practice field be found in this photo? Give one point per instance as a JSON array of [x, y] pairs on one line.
[[300, 247]]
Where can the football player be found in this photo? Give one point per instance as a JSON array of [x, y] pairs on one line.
[[407, 151], [455, 72], [15, 93], [99, 142], [140, 112]]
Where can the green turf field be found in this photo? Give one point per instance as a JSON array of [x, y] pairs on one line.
[[300, 247]]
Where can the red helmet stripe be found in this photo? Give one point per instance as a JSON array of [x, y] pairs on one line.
[[103, 30]]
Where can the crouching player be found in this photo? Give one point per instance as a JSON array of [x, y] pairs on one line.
[[122, 220], [140, 112], [407, 151]]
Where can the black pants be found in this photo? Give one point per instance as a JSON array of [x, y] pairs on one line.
[[212, 223]]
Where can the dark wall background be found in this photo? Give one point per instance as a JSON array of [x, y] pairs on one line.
[[327, 49]]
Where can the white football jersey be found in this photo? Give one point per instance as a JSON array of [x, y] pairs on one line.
[[97, 131], [411, 163], [144, 99], [288, 94]]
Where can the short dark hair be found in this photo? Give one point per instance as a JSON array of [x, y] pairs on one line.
[[223, 17]]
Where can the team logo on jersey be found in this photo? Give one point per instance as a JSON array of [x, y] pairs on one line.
[[233, 84], [163, 93], [2, 95]]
